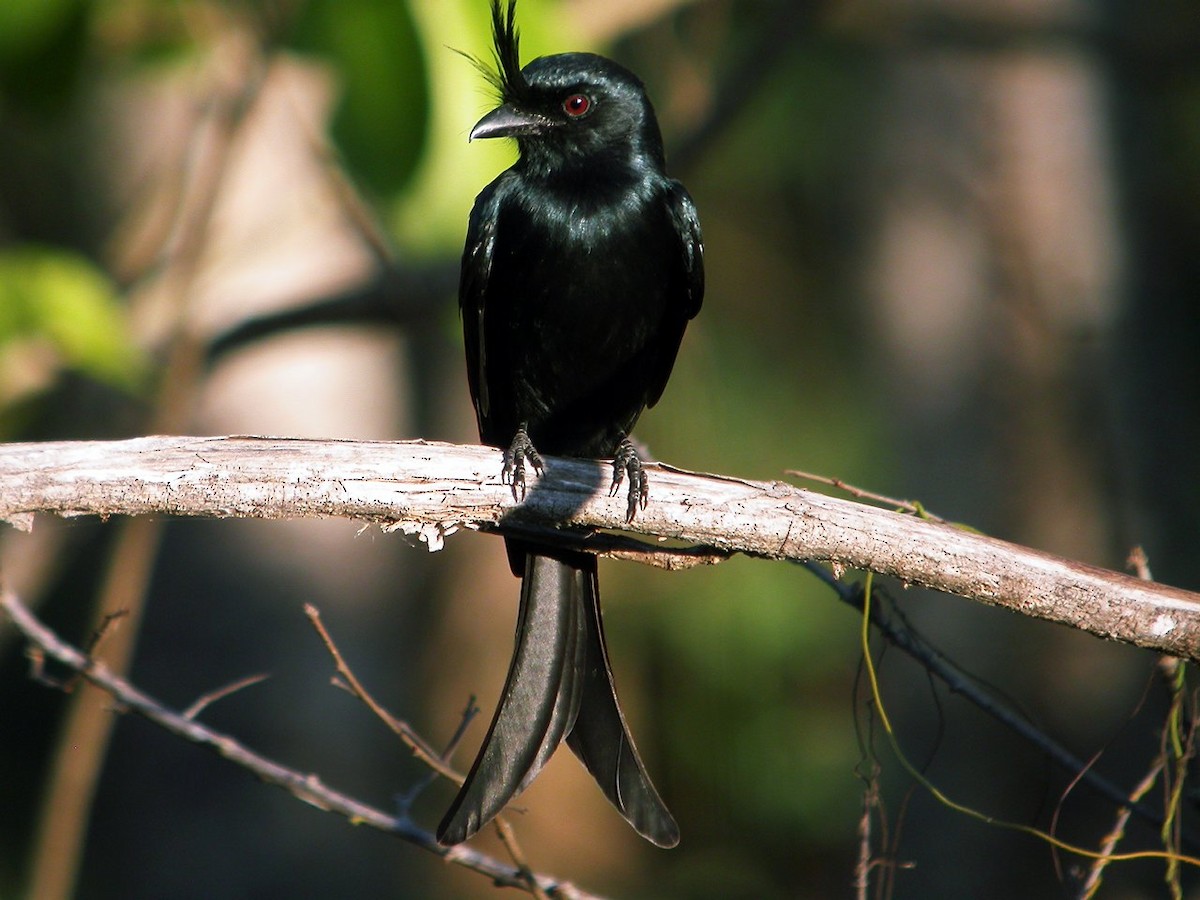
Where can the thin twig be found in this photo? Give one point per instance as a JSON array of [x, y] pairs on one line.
[[1170, 671], [1078, 777], [509, 839], [1177, 752], [437, 762], [306, 787], [417, 744], [418, 787], [470, 711], [862, 866], [205, 700], [904, 638], [907, 506], [108, 624], [1139, 562], [1109, 845]]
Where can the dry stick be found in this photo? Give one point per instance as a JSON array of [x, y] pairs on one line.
[[509, 839], [417, 744], [420, 747], [204, 701], [306, 787], [862, 866], [863, 494], [1109, 844], [469, 713], [1140, 563]]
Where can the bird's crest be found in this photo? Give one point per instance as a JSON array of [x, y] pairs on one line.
[[506, 77]]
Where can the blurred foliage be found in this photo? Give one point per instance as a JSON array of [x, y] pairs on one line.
[[59, 311], [429, 216], [379, 57], [42, 44]]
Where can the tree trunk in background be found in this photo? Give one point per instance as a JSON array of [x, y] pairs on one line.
[[996, 277]]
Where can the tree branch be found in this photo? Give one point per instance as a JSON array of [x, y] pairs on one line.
[[430, 490]]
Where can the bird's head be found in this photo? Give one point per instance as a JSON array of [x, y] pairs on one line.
[[570, 108]]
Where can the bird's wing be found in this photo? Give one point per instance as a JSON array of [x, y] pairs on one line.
[[685, 284], [687, 226], [540, 699], [601, 739], [472, 291]]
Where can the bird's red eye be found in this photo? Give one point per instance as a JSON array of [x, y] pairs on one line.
[[577, 105]]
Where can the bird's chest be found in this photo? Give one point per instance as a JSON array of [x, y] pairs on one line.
[[583, 278], [576, 303]]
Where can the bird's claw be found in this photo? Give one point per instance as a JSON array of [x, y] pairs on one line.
[[513, 470], [627, 462]]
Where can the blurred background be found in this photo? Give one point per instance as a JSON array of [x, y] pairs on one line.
[[953, 254]]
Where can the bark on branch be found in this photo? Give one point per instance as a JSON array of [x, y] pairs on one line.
[[431, 490]]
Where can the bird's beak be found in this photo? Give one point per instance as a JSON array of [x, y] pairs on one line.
[[507, 121]]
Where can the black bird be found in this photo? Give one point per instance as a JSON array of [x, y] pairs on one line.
[[583, 264]]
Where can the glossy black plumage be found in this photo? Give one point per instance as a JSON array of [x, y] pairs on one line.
[[582, 266]]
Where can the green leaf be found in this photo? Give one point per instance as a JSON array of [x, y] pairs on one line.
[[381, 120], [58, 300]]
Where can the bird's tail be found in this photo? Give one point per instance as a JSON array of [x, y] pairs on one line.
[[601, 739], [559, 685]]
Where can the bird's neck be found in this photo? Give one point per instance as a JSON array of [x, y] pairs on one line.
[[598, 175]]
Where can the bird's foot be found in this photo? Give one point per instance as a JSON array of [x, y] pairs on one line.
[[513, 471], [627, 462]]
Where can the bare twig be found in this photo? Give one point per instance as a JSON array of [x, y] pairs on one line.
[[1139, 563], [862, 866], [204, 701], [509, 839], [900, 635], [470, 711], [1178, 748], [1109, 845], [306, 787], [431, 490], [108, 623], [907, 506], [417, 744], [437, 762]]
